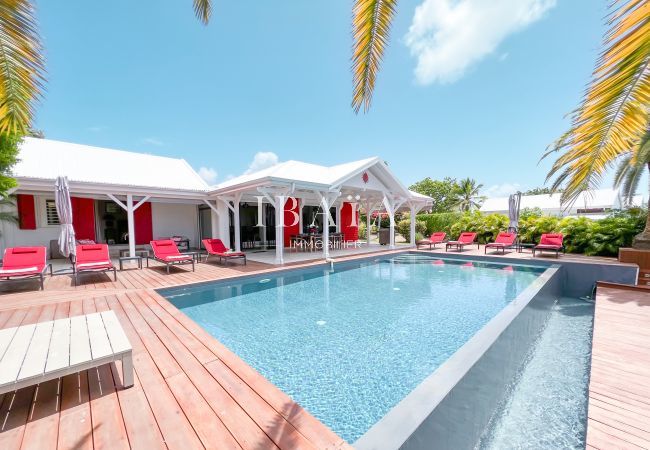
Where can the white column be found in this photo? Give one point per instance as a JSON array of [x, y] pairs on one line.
[[301, 203], [279, 229], [131, 224], [237, 227], [326, 227], [391, 216], [337, 217], [368, 222], [412, 225]]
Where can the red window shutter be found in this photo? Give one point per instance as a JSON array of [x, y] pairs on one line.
[[83, 217], [143, 224], [289, 218], [26, 212]]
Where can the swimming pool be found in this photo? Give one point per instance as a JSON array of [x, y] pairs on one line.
[[348, 344]]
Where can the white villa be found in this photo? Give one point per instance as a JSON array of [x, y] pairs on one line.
[[127, 199], [595, 204]]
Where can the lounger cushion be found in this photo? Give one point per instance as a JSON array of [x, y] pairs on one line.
[[95, 265], [175, 258], [549, 246]]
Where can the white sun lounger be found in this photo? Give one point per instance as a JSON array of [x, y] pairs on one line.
[[32, 354]]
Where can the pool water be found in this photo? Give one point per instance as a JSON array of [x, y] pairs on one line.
[[349, 344], [547, 404]]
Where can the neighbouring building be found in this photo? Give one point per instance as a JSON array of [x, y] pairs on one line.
[[595, 204]]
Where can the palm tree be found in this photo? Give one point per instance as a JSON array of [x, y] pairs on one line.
[[631, 167], [614, 113], [468, 196], [22, 67]]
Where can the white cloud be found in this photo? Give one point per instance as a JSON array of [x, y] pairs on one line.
[[501, 190], [153, 141], [448, 36], [262, 160], [208, 174]]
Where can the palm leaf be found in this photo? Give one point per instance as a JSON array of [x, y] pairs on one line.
[[614, 111], [371, 23], [21, 66], [203, 10]]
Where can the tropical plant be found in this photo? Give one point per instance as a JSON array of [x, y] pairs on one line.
[[439, 221], [371, 20], [539, 191], [403, 227], [467, 195], [525, 213], [443, 192], [614, 114], [631, 167]]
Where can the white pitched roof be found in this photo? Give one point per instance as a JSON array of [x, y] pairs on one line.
[[298, 171], [599, 198], [46, 159]]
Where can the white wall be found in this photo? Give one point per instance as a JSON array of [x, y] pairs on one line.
[[12, 236], [174, 219]]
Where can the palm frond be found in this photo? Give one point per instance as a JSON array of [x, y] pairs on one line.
[[614, 111], [21, 66], [371, 23], [203, 10]]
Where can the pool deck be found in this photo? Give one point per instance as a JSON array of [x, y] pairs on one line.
[[192, 392], [619, 392]]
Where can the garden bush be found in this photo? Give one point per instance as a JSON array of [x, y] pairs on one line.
[[439, 221], [403, 227], [582, 235]]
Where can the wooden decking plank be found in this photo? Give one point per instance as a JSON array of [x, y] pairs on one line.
[[243, 428], [210, 429], [164, 361], [75, 423], [173, 423], [105, 410], [141, 426], [43, 423], [14, 413]]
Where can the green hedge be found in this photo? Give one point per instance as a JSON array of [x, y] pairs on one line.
[[581, 235]]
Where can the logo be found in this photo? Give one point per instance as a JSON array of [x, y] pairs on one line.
[[365, 177]]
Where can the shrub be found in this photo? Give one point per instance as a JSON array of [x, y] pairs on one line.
[[439, 221], [531, 228], [486, 227], [362, 230], [403, 227]]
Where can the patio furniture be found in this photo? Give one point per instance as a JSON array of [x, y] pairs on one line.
[[196, 254], [521, 246], [20, 263], [553, 242], [435, 238], [464, 239], [137, 259], [93, 258], [215, 247], [35, 353], [165, 251], [503, 241], [142, 252]]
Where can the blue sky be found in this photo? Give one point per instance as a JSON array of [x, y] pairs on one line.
[[473, 88]]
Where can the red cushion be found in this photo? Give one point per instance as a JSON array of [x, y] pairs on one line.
[[551, 239]]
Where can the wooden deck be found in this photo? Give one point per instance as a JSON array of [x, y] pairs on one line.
[[619, 391], [190, 391]]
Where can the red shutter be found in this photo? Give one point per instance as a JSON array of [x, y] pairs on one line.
[[143, 224], [26, 212], [289, 218], [83, 217], [350, 233]]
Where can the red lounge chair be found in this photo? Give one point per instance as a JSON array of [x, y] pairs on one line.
[[435, 238], [503, 241], [93, 258], [552, 242], [215, 247], [464, 239], [20, 263], [166, 252]]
